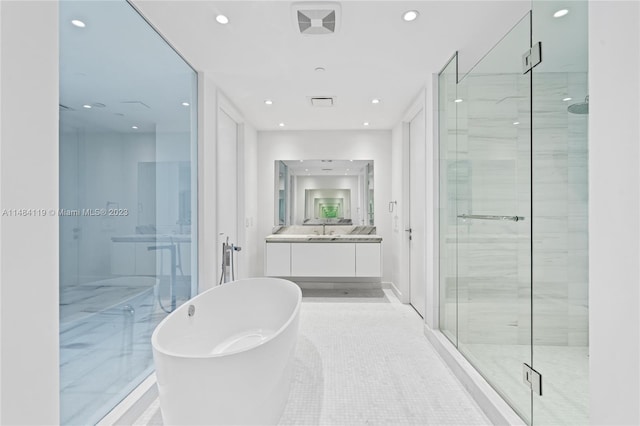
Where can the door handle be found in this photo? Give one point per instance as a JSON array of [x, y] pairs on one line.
[[409, 231]]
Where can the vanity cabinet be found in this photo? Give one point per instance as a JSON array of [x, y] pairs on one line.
[[277, 260], [323, 259], [368, 260]]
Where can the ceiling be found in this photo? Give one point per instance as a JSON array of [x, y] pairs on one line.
[[119, 62], [327, 167], [374, 54]]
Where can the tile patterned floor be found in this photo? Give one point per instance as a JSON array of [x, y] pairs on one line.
[[363, 359]]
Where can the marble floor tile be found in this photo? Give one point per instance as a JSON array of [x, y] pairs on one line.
[[365, 360]]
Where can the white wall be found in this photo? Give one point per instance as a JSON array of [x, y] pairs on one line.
[[337, 145], [1, 103], [98, 167], [614, 210], [29, 381], [399, 194], [207, 193], [249, 264], [236, 206]]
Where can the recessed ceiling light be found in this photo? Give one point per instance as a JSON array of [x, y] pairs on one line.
[[375, 101], [306, 170], [185, 104], [566, 99], [560, 13], [302, 161], [281, 124], [268, 102], [134, 127], [410, 15], [366, 123], [222, 19], [320, 69], [458, 101], [87, 106], [78, 23], [515, 123], [351, 160]]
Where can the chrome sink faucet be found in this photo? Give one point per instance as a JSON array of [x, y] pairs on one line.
[[324, 225]]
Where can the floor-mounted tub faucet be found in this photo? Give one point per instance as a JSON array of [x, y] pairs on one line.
[[228, 269]]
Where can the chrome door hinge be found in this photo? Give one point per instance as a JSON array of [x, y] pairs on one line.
[[532, 57], [532, 378]]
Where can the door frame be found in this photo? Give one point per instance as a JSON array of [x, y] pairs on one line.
[[427, 100], [225, 106], [418, 106]]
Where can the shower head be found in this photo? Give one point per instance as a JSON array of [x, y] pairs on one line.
[[580, 107]]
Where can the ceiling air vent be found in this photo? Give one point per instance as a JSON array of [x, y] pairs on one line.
[[322, 101], [316, 18]]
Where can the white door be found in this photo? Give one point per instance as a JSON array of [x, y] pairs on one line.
[[417, 205], [227, 176]]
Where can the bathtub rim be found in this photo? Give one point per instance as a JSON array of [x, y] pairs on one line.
[[294, 314]]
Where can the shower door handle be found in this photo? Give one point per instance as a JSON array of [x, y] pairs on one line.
[[409, 231], [491, 217]]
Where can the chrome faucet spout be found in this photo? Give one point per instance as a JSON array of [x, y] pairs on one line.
[[324, 225]]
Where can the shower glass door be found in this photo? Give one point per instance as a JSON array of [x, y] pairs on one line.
[[560, 213], [493, 216]]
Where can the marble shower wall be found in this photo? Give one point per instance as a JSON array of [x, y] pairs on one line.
[[560, 211], [486, 169]]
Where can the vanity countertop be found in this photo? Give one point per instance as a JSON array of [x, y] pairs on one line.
[[313, 238]]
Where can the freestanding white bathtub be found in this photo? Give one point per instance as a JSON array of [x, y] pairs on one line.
[[226, 356]]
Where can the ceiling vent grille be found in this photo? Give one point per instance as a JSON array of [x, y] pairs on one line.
[[322, 101], [316, 18]]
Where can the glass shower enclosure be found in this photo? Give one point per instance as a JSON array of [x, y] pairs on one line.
[[513, 215]]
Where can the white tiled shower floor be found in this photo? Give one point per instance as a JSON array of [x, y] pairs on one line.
[[363, 359]]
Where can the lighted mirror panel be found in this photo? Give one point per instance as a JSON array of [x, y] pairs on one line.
[[316, 192]]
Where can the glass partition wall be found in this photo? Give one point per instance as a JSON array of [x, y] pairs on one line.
[[513, 216], [127, 198]]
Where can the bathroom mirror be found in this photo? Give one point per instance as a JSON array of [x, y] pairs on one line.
[[315, 192]]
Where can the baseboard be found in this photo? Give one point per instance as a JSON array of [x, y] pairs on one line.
[[132, 407], [396, 291], [492, 404]]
